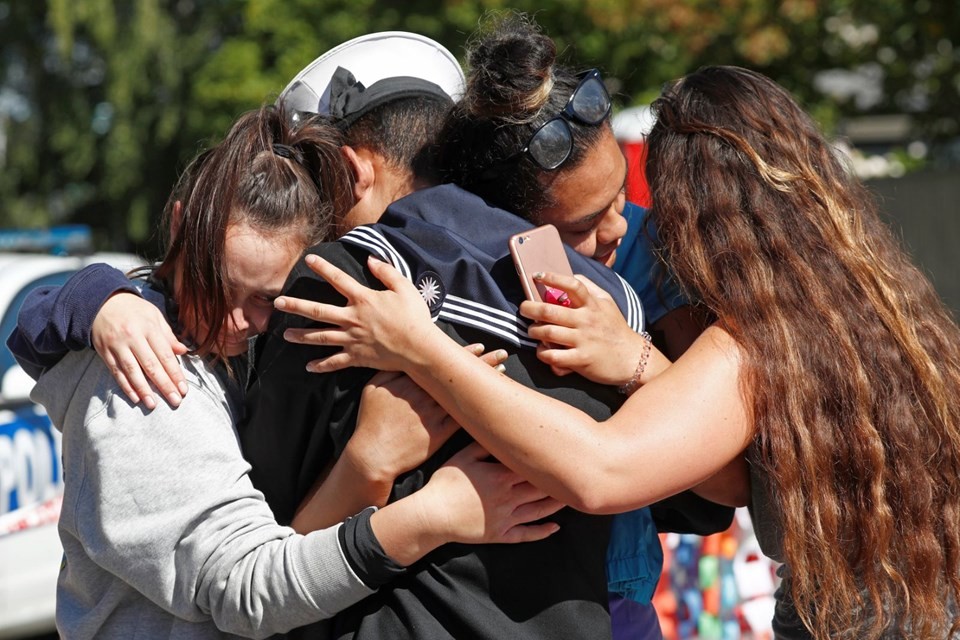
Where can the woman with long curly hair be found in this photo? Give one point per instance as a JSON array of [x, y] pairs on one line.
[[850, 361], [831, 363]]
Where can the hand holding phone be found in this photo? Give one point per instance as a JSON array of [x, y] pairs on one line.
[[540, 250]]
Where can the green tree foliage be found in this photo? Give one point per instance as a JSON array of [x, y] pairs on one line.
[[106, 95], [102, 101]]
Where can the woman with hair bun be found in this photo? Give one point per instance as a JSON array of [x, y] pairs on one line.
[[534, 137], [831, 363]]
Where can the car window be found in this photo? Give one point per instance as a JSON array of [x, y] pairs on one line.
[[9, 321]]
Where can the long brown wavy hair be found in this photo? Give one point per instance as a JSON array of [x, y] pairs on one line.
[[851, 360]]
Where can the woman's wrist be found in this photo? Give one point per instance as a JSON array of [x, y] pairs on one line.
[[657, 364], [636, 363], [409, 529], [375, 481], [424, 348]]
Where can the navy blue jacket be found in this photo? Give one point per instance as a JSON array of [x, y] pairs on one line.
[[54, 320]]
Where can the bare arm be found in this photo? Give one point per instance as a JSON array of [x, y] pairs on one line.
[[675, 332], [674, 433], [399, 427], [591, 338], [677, 431], [468, 500]]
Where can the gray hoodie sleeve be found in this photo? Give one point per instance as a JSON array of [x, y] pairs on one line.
[[162, 501]]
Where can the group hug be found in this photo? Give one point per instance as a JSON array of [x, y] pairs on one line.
[[328, 410]]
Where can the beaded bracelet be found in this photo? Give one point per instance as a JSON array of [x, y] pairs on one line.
[[631, 385]]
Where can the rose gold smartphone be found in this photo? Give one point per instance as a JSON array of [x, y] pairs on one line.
[[540, 249]]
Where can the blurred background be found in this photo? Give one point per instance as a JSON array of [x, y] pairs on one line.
[[102, 103]]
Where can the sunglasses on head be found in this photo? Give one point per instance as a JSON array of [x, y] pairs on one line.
[[551, 144]]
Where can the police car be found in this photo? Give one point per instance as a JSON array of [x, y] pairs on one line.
[[31, 480]]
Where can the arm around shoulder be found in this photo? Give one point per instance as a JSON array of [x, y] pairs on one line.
[[694, 412], [676, 432], [56, 320]]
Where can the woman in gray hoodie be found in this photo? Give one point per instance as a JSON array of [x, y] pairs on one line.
[[164, 535]]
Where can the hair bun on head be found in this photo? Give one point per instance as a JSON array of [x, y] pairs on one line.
[[511, 70]]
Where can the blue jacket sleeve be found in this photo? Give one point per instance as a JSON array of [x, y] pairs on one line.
[[56, 320]]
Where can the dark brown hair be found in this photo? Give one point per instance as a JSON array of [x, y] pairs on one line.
[[514, 85], [852, 362], [404, 132], [267, 174]]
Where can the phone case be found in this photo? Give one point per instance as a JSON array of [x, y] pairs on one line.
[[540, 249]]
